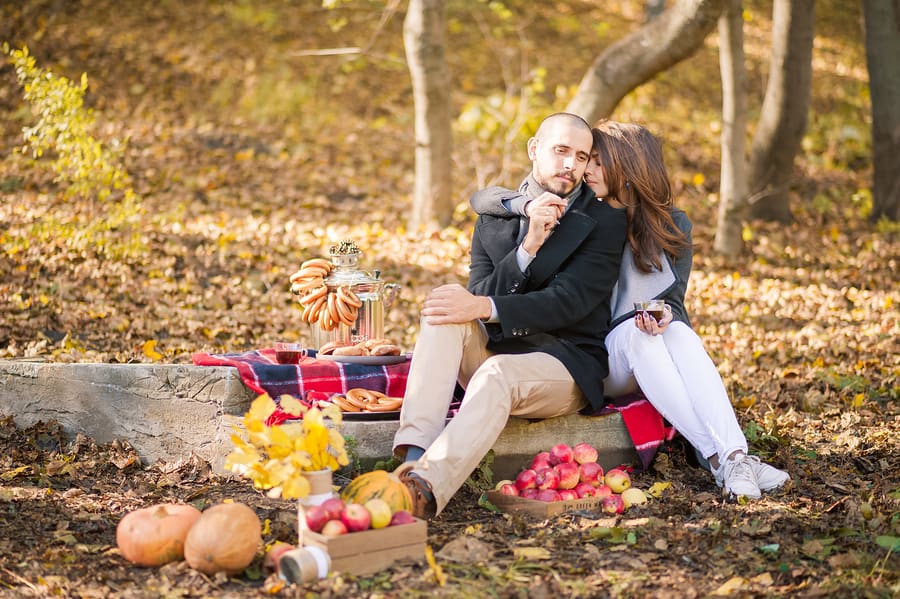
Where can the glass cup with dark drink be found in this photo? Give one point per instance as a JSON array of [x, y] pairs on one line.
[[290, 353], [655, 308]]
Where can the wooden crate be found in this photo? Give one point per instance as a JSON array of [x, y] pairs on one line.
[[542, 509], [369, 551]]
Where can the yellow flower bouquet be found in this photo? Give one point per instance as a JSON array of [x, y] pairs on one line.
[[277, 457]]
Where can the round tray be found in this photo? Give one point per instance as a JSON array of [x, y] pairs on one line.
[[370, 416]]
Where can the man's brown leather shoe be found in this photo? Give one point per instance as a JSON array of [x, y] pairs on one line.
[[423, 503]]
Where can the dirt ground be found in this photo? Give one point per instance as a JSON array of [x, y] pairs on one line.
[[61, 500]]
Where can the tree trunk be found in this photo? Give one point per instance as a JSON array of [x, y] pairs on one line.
[[423, 37], [883, 59], [782, 121], [638, 57], [733, 186]]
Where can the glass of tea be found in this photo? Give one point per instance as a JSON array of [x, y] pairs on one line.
[[289, 353], [655, 308]]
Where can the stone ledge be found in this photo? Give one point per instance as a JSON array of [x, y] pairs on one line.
[[167, 411]]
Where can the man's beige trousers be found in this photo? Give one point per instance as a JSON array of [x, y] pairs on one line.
[[533, 385]]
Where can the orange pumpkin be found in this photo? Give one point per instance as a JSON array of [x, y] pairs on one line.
[[379, 484], [153, 536], [225, 538]]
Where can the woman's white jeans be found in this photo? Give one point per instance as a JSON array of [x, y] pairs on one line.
[[678, 377]]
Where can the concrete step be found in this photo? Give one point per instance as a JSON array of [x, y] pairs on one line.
[[168, 411]]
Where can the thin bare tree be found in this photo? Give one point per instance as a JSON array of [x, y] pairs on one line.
[[423, 36], [733, 185]]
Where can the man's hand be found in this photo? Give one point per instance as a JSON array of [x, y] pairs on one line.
[[546, 200], [453, 304], [544, 213]]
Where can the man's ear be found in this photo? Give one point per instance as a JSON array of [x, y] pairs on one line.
[[532, 148]]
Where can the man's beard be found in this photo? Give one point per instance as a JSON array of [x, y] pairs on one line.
[[554, 185]]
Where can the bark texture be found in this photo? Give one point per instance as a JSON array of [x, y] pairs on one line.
[[635, 59], [883, 59], [733, 186], [423, 37], [782, 122]]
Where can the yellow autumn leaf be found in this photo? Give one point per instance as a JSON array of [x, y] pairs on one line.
[[261, 408], [858, 400], [698, 179], [150, 350], [436, 570], [291, 405], [657, 489], [531, 553]]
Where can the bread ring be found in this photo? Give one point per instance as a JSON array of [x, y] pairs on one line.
[[306, 284], [314, 295], [387, 404], [332, 308], [345, 312], [311, 311], [352, 299], [310, 271], [325, 320], [355, 398], [342, 402], [318, 262], [388, 349]]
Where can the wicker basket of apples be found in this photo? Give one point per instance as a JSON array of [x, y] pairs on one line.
[[567, 478]]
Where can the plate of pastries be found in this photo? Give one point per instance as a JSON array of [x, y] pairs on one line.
[[376, 352]]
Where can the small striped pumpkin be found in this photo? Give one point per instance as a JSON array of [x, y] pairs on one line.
[[378, 484]]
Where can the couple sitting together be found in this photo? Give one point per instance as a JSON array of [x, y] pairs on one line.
[[546, 326]]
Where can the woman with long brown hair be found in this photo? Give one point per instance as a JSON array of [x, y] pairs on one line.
[[663, 358]]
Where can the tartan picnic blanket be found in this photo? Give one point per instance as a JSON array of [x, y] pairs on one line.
[[311, 380], [262, 373], [646, 427]]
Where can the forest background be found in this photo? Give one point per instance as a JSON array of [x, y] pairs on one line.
[[255, 135]]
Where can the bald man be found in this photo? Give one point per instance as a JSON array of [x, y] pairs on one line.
[[526, 338]]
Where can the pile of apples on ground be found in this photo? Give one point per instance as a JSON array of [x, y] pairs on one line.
[[565, 473]]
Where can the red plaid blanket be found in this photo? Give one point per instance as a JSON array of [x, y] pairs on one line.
[[262, 373], [312, 379]]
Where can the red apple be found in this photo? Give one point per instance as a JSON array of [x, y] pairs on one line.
[[613, 504], [547, 479], [617, 479], [590, 472], [547, 495], [334, 528], [356, 517], [585, 490], [528, 493], [316, 517], [584, 453], [333, 507], [401, 517], [568, 475], [541, 460], [561, 453], [568, 495], [526, 479], [603, 491], [509, 489]]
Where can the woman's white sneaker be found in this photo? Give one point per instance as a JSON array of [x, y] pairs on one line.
[[736, 475], [768, 477]]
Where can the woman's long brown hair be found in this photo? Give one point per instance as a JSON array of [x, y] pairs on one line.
[[636, 176]]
